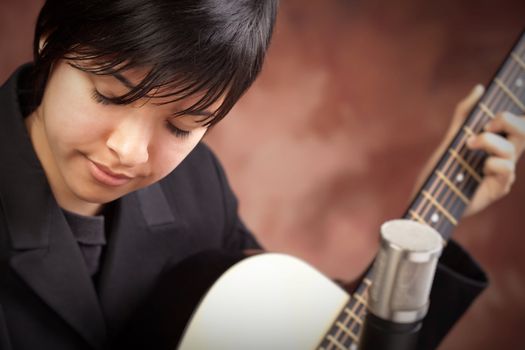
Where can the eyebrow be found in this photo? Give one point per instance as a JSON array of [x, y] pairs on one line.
[[200, 113], [111, 72], [123, 80]]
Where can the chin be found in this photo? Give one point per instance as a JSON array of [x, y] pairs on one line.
[[99, 195]]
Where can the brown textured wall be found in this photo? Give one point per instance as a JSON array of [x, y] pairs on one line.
[[354, 97]]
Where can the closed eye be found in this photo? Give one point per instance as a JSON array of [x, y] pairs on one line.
[[99, 98], [176, 131]]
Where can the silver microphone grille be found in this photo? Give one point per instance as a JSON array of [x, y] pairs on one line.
[[404, 270]]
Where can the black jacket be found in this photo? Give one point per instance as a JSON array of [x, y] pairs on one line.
[[47, 297]]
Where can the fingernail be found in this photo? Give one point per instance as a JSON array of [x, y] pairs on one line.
[[488, 126], [478, 89], [470, 141]]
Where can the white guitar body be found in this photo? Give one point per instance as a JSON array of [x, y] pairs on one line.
[[267, 301]]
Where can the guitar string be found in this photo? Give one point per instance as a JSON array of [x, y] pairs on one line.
[[354, 309], [506, 104], [503, 102], [465, 184], [444, 193], [465, 154], [350, 323], [514, 73], [471, 154]]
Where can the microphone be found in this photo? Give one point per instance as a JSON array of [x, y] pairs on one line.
[[402, 277]]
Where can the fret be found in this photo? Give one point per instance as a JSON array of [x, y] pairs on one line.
[[454, 188], [518, 79], [418, 217], [347, 331], [487, 110], [360, 299], [510, 94], [462, 178], [445, 212], [518, 59], [359, 307], [466, 166], [335, 342], [517, 86], [469, 131], [353, 315], [456, 197], [362, 289]]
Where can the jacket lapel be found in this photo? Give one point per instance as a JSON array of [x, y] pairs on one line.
[[59, 276], [49, 260], [45, 253], [136, 253]]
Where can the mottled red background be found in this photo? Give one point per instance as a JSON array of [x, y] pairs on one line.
[[326, 146]]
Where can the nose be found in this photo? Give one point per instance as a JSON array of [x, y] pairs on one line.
[[130, 141]]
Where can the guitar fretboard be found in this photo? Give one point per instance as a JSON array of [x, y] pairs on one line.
[[450, 187]]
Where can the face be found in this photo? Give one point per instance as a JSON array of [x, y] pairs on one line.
[[93, 151]]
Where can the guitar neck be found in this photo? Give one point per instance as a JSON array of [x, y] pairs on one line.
[[449, 188], [451, 185]]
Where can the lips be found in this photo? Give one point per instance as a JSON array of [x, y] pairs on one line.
[[105, 176]]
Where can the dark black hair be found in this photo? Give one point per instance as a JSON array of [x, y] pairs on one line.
[[212, 47]]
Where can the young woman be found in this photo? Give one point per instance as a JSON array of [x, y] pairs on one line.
[[104, 184]]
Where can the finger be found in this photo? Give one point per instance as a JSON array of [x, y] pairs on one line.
[[466, 105], [499, 167], [502, 170], [493, 144], [510, 124]]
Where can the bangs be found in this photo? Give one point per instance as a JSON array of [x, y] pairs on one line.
[[161, 82]]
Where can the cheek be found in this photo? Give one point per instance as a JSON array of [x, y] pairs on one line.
[[70, 120], [71, 117], [167, 155]]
